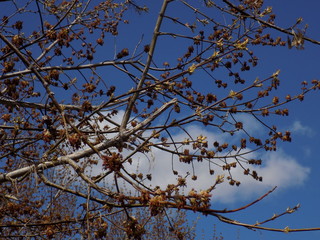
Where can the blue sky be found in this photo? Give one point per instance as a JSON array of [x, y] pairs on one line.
[[299, 159], [296, 66]]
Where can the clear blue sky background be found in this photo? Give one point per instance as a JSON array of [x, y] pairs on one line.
[[296, 66]]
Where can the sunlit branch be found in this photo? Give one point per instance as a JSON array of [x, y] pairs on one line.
[[69, 159]]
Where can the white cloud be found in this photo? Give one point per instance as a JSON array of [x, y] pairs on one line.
[[283, 170], [251, 124], [298, 128], [278, 168]]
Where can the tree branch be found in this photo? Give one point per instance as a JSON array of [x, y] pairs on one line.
[[68, 159], [153, 43], [247, 15]]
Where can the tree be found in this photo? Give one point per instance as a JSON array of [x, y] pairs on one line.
[[85, 127]]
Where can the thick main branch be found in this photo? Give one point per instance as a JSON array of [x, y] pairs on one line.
[[86, 152]]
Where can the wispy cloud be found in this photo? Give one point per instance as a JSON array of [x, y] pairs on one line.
[[298, 128]]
